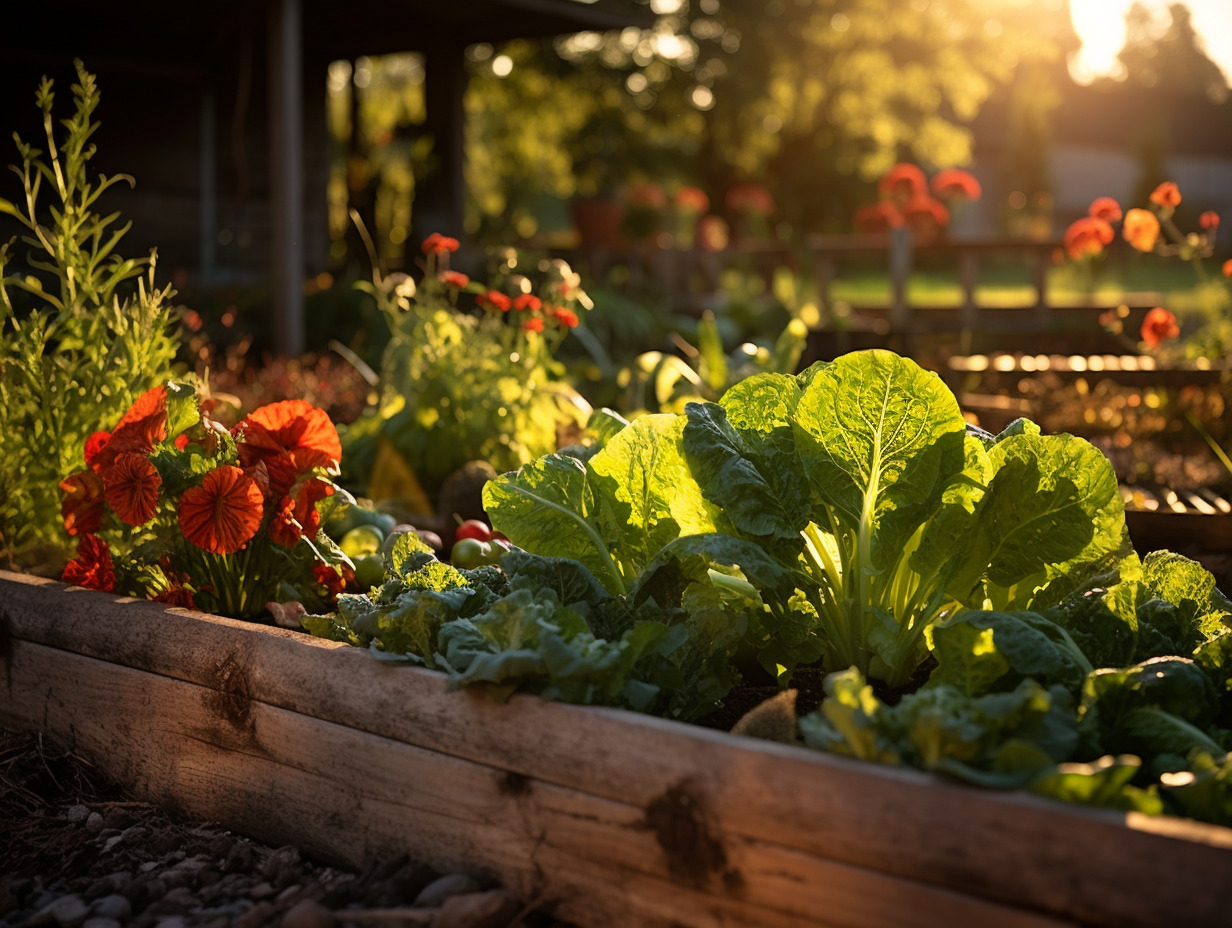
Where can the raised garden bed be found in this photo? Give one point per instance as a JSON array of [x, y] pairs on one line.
[[618, 818]]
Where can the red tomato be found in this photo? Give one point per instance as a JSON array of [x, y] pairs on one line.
[[474, 528]]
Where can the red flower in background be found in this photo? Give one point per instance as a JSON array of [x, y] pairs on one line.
[[750, 198], [455, 279], [1209, 220], [496, 300], [567, 317], [527, 301], [925, 215], [953, 183], [92, 567], [83, 505], [881, 216], [692, 199], [1141, 229], [94, 444], [437, 244], [1158, 326], [131, 486], [223, 513], [534, 324], [1106, 209], [176, 595], [1087, 236], [903, 182], [712, 233], [1227, 268], [291, 438], [648, 196], [1166, 195]]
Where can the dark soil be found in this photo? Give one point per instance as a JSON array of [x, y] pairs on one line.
[[77, 852]]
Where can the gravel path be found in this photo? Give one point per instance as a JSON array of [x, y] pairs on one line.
[[78, 853]]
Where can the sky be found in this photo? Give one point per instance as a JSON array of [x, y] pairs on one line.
[[1101, 26]]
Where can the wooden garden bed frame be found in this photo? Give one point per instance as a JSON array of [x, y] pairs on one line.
[[616, 818]]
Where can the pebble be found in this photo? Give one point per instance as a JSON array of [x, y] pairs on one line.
[[114, 906], [308, 913], [99, 922], [440, 889], [78, 814], [491, 909], [94, 823], [67, 912]]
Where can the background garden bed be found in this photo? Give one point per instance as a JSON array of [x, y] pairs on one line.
[[621, 818]]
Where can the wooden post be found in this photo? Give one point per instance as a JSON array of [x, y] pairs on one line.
[[900, 270], [285, 41], [439, 203], [968, 277], [1043, 315]]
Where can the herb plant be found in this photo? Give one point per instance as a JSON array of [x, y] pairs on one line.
[[83, 331]]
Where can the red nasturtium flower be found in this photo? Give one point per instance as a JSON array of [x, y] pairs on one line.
[[567, 317], [926, 215], [437, 244], [1141, 229], [692, 199], [534, 324], [1209, 220], [131, 485], [83, 505], [496, 300], [1105, 208], [94, 444], [92, 566], [333, 579], [297, 516], [881, 216], [176, 595], [284, 528], [455, 279], [1166, 195], [527, 301], [903, 182], [223, 513], [1158, 326], [290, 437], [750, 198], [953, 183], [1087, 236], [1227, 268], [139, 429]]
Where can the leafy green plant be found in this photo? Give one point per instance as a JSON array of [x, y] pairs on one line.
[[469, 372], [84, 331]]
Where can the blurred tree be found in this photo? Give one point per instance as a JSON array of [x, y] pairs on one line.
[[805, 95], [1172, 59]]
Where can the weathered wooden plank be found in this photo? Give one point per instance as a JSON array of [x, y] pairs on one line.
[[350, 796], [1031, 852]]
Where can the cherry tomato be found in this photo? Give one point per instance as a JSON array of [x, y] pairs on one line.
[[469, 553], [474, 528]]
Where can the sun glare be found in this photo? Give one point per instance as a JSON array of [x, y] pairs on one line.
[[1100, 25]]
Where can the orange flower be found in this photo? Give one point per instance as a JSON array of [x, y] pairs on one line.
[[527, 301], [1105, 208], [925, 215], [455, 279], [567, 317], [138, 431], [223, 513], [903, 182], [1227, 268], [284, 528], [1087, 236], [131, 485], [1209, 220], [712, 233], [333, 579], [311, 493], [1166, 195], [953, 183], [176, 595], [83, 506], [94, 444], [1158, 326], [496, 300], [750, 198], [881, 216], [291, 437], [534, 324], [692, 199], [437, 244], [648, 196], [1141, 229], [92, 568]]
